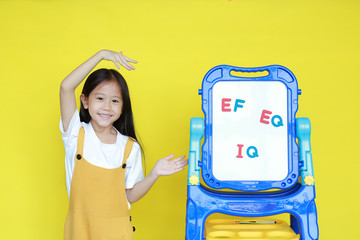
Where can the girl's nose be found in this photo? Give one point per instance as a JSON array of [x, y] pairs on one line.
[[107, 105]]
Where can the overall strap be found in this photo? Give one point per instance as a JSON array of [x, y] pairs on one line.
[[80, 143], [128, 147]]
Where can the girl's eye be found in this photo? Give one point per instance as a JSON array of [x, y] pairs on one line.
[[115, 101], [99, 98]]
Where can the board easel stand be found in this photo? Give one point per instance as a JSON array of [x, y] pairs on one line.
[[250, 199]]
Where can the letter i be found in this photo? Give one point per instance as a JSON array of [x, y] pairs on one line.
[[240, 149]]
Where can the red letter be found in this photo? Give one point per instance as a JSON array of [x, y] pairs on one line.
[[263, 116], [240, 148], [225, 104]]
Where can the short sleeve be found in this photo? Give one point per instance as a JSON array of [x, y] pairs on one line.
[[134, 170], [73, 128]]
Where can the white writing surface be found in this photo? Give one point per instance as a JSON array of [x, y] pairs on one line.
[[250, 135]]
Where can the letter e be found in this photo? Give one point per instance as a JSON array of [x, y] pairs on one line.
[[224, 105], [264, 116]]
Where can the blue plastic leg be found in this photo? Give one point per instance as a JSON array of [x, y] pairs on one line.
[[191, 223], [308, 223], [195, 221]]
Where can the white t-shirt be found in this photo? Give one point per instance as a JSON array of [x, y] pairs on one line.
[[100, 154]]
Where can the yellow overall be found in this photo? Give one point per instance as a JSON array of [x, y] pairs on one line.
[[98, 208]]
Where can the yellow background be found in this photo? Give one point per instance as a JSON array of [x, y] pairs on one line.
[[176, 43]]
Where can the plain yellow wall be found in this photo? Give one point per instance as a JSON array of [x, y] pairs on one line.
[[176, 43]]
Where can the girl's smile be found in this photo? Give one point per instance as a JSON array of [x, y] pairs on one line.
[[105, 116]]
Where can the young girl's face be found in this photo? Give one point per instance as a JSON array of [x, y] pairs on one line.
[[104, 104]]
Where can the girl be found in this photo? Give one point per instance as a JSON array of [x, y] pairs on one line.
[[102, 156]]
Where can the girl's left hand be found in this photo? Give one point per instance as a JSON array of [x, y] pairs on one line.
[[166, 166]]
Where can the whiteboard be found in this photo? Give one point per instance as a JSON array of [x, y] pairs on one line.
[[250, 131]]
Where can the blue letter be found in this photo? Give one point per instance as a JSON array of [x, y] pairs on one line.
[[254, 154], [237, 105], [279, 122]]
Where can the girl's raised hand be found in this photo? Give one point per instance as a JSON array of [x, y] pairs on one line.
[[166, 166], [118, 58]]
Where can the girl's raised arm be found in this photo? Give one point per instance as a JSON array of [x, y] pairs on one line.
[[69, 84]]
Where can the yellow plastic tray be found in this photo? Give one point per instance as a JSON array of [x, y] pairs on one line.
[[249, 229]]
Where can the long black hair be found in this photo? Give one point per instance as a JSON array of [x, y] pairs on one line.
[[125, 123]]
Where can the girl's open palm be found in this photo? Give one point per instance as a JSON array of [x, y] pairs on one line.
[[118, 58], [166, 166]]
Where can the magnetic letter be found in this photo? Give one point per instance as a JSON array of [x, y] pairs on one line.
[[278, 123], [254, 152], [224, 104], [238, 104], [240, 148], [264, 116]]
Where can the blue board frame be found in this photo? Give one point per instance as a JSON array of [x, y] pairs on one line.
[[276, 73]]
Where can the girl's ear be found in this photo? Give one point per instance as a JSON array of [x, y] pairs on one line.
[[84, 101]]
